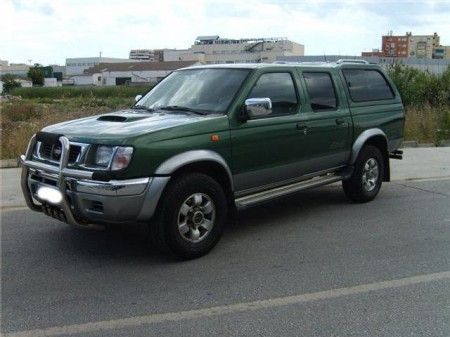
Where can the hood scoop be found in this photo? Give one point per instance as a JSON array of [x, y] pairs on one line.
[[120, 118]]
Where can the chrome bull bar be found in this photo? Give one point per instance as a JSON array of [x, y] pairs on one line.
[[62, 172]]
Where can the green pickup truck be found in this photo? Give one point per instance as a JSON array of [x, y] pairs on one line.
[[209, 140]]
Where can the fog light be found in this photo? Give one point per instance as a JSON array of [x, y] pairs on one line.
[[49, 194]]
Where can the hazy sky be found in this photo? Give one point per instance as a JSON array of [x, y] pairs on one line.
[[49, 31]]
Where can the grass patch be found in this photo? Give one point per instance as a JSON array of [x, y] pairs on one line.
[[85, 92], [20, 119]]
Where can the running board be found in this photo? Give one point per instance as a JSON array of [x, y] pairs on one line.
[[249, 200]]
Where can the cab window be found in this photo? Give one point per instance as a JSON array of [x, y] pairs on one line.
[[279, 87], [320, 91]]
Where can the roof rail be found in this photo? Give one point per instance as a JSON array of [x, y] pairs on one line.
[[340, 61]]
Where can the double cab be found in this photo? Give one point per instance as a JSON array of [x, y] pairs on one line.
[[209, 140]]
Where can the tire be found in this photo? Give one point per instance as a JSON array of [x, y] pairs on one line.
[[191, 216], [366, 180]]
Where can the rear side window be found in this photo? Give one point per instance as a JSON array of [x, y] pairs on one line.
[[321, 91], [367, 85], [279, 87]]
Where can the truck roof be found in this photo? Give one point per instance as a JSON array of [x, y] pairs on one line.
[[337, 64]]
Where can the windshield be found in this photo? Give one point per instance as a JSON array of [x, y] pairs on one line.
[[207, 90]]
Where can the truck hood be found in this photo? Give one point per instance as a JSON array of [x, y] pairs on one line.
[[123, 124]]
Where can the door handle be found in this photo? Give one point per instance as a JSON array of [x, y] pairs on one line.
[[340, 121], [302, 127]]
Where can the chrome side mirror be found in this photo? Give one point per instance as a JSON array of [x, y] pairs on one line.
[[258, 107], [137, 98]]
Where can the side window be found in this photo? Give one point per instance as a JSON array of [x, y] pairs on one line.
[[279, 87], [367, 85], [321, 91]]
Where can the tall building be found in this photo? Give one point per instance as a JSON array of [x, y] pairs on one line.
[[422, 46], [394, 45], [408, 45]]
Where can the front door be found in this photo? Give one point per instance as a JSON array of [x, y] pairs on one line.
[[266, 150]]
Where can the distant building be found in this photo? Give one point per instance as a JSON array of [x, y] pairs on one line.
[[441, 52], [16, 69], [76, 66], [152, 55], [214, 50], [394, 45], [183, 55], [128, 72], [248, 50], [373, 53], [408, 45], [422, 46]]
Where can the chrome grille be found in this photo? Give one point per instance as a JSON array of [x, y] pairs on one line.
[[52, 152]]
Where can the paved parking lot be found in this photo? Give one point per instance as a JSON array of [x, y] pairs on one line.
[[307, 265]]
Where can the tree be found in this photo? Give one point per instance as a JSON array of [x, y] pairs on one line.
[[36, 74], [9, 83]]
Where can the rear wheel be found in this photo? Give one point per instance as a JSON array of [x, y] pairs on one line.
[[365, 182], [191, 216]]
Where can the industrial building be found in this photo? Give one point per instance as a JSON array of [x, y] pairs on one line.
[[249, 50], [215, 50], [76, 66], [152, 55], [105, 74]]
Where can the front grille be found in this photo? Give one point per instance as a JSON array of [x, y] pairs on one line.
[[53, 152]]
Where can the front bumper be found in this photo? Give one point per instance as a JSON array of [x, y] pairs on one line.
[[85, 201]]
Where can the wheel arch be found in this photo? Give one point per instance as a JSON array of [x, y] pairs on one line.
[[375, 137], [203, 161]]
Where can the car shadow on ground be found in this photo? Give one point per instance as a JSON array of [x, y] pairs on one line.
[[133, 241]]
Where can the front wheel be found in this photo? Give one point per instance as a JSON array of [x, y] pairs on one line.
[[365, 182], [191, 216]]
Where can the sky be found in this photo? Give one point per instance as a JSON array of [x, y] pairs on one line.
[[48, 32]]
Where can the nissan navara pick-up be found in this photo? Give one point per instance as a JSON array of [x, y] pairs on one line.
[[209, 140]]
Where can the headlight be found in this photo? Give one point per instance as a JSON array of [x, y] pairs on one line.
[[113, 157], [103, 156], [122, 158]]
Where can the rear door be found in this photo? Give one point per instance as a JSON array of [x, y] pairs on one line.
[[327, 120]]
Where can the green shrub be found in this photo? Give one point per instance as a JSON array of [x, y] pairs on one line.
[[420, 88]]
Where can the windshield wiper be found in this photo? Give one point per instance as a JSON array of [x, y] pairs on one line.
[[142, 107], [182, 108]]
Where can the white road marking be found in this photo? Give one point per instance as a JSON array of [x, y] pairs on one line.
[[137, 321]]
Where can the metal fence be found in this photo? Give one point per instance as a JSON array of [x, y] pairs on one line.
[[431, 65]]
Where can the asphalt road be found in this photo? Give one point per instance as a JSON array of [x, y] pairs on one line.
[[307, 265]]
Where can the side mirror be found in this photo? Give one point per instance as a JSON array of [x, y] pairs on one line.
[[258, 107], [137, 98]]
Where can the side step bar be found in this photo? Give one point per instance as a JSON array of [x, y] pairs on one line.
[[249, 200]]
